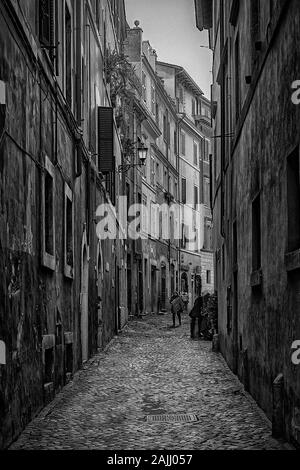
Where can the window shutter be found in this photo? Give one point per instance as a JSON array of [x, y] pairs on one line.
[[46, 21], [106, 163], [183, 191]]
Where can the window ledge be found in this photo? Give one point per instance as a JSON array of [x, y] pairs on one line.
[[68, 272], [292, 260], [48, 261], [256, 278]]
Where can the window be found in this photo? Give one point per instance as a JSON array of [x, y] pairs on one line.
[[144, 87], [48, 218], [68, 55], [153, 104], [157, 114], [175, 190], [160, 225], [208, 277], [182, 139], [144, 170], [183, 191], [206, 150], [46, 24], [175, 142], [206, 191], [181, 94], [145, 219], [153, 220], [193, 107], [256, 234], [165, 128], [183, 236], [152, 176], [195, 153], [168, 134], [158, 173], [69, 233], [165, 180], [172, 225], [293, 195], [255, 26], [207, 235], [196, 201], [237, 78]]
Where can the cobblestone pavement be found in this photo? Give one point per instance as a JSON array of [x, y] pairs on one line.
[[151, 369]]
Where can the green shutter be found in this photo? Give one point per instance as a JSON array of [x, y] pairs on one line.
[[106, 160]]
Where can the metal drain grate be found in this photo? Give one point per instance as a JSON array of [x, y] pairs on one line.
[[188, 418]]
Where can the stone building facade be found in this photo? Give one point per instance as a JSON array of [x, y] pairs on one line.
[[69, 138], [256, 196], [166, 262], [60, 296], [196, 265]]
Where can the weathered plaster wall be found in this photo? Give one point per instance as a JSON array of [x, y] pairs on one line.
[[268, 319]]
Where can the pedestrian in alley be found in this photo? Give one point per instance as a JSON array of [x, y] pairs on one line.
[[185, 299], [177, 307], [206, 324], [196, 315]]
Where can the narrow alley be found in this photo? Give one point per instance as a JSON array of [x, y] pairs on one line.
[[151, 369]]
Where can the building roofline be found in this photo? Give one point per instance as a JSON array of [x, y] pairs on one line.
[[160, 85], [184, 74]]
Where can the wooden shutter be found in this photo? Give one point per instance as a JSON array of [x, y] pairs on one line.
[[183, 196], [106, 163], [46, 14]]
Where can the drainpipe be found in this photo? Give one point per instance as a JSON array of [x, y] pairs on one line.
[[179, 189]]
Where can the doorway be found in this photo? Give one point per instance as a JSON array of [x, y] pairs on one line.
[[184, 283], [84, 305], [163, 294], [198, 285], [235, 324], [140, 288], [153, 289], [129, 285], [100, 341], [172, 279]]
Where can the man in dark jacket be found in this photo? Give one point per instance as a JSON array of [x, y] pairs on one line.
[[177, 307], [196, 314]]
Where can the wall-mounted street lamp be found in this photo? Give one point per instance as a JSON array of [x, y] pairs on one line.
[[142, 156]]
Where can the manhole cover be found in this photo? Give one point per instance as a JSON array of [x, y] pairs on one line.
[[189, 418]]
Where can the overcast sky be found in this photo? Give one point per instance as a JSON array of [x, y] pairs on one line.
[[170, 27]]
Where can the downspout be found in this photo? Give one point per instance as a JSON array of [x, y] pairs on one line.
[[179, 189]]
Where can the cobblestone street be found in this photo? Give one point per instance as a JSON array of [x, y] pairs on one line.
[[151, 369]]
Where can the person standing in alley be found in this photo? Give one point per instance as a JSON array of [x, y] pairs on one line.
[[196, 316], [177, 307], [185, 299]]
